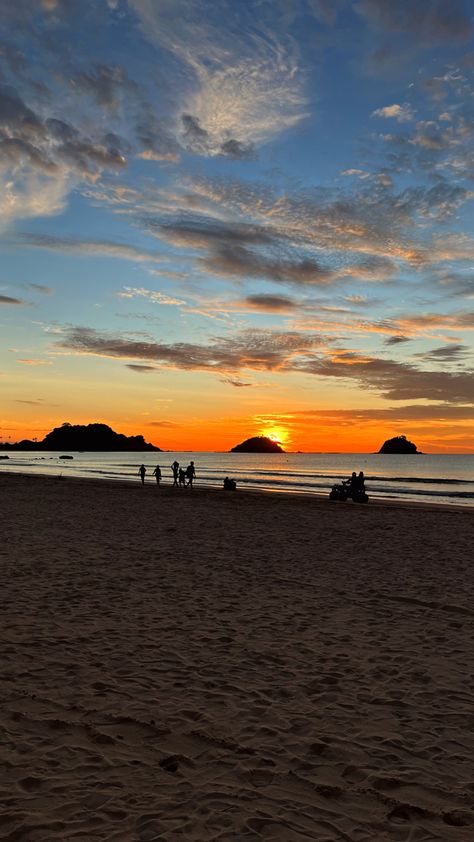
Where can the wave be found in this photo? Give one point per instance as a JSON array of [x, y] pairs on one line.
[[339, 476]]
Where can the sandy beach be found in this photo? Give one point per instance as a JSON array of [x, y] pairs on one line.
[[233, 666]]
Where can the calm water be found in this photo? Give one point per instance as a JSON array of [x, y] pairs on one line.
[[443, 479]]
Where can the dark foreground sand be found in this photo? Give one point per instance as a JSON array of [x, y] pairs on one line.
[[210, 666]]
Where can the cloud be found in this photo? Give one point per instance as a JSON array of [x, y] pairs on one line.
[[255, 350], [373, 222], [236, 261], [142, 369], [428, 22], [410, 413], [6, 299], [397, 340], [355, 171], [232, 381], [401, 113], [26, 195], [33, 361], [446, 353], [161, 157], [318, 237], [243, 81], [229, 253], [39, 288], [266, 350], [87, 248], [152, 295], [270, 303], [41, 159], [397, 381], [105, 85], [167, 424]]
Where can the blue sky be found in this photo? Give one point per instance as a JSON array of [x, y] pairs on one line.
[[262, 210]]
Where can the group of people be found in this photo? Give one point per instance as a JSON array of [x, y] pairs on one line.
[[356, 483], [182, 477]]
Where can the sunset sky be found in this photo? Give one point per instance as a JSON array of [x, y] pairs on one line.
[[224, 218]]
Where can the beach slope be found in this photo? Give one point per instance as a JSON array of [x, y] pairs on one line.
[[202, 665]]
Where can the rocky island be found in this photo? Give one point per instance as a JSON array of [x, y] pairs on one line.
[[258, 444], [399, 444], [90, 437]]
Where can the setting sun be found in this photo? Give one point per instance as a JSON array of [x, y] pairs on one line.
[[279, 434]]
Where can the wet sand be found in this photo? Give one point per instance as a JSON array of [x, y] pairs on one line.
[[217, 666]]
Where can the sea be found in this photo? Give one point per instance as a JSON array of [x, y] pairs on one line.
[[446, 479]]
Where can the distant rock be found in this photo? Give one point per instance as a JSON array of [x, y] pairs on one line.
[[4, 457], [84, 437], [258, 444], [399, 444], [66, 457]]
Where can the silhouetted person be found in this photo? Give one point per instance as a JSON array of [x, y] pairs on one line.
[[157, 474], [141, 473], [175, 469], [182, 477], [351, 483], [230, 484], [361, 482], [190, 473]]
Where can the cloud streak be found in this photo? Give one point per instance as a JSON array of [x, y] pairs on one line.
[[7, 299], [280, 351], [88, 248]]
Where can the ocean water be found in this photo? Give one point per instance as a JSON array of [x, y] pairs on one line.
[[437, 479]]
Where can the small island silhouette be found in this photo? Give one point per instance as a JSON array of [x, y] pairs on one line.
[[257, 444], [399, 444], [91, 437]]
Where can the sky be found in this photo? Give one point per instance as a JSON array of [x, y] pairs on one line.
[[227, 218]]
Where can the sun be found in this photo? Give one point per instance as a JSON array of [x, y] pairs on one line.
[[281, 435]]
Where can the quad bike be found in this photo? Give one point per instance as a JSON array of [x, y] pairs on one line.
[[343, 491]]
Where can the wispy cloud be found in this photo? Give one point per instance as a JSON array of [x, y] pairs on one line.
[[7, 299], [153, 296], [33, 361], [244, 84], [44, 290], [167, 424], [88, 248]]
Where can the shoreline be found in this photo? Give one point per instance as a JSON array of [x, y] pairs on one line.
[[315, 496]]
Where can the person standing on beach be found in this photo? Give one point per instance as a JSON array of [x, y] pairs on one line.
[[157, 474], [175, 469], [141, 473], [190, 473]]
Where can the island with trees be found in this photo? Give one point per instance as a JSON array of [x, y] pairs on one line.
[[257, 444], [400, 445], [83, 437]]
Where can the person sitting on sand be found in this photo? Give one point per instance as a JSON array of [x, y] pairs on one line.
[[175, 469], [190, 473], [361, 482], [141, 473], [182, 477], [230, 484], [157, 474]]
